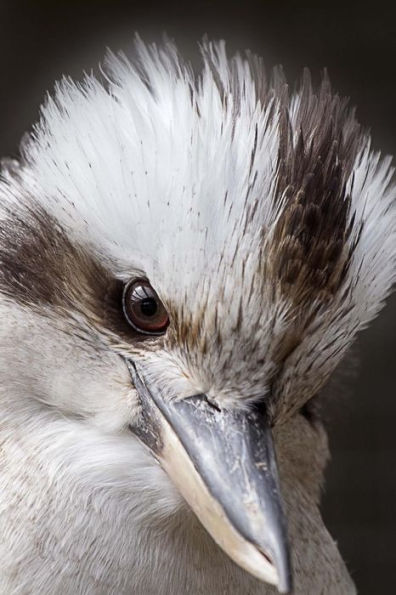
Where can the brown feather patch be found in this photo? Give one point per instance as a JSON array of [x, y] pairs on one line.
[[308, 251], [41, 268]]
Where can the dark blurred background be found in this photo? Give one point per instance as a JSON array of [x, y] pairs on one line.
[[41, 40]]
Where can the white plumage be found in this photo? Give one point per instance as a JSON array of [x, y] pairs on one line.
[[187, 181]]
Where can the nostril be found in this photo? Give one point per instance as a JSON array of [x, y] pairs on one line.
[[213, 404], [203, 398]]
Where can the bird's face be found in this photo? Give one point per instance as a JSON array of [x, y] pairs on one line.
[[189, 379], [186, 266]]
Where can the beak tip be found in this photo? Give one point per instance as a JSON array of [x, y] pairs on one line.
[[285, 585], [285, 579], [280, 558]]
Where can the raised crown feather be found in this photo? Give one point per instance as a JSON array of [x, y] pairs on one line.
[[199, 179]]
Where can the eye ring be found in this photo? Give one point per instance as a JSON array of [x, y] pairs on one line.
[[143, 309]]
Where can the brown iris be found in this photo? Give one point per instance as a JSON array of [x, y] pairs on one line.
[[143, 309]]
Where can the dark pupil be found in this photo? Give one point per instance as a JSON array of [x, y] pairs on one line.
[[148, 307]]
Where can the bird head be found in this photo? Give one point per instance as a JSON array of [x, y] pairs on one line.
[[185, 259]]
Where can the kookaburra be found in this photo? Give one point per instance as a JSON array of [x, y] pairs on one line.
[[184, 260]]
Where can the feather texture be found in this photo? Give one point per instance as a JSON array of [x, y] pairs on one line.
[[267, 226]]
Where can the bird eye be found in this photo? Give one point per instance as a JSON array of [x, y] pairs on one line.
[[143, 309]]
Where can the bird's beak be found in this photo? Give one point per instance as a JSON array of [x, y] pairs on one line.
[[223, 463]]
